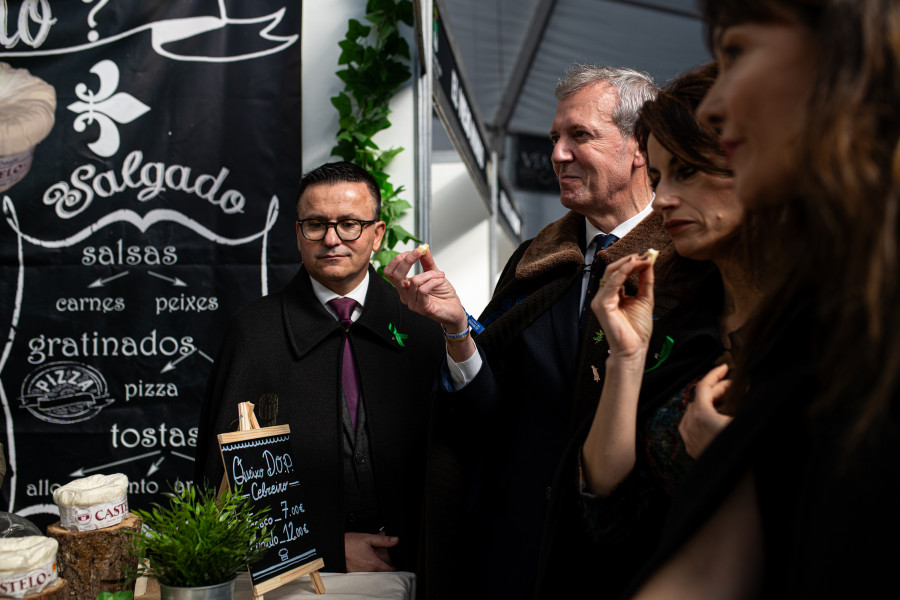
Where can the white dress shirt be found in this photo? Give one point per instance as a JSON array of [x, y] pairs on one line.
[[464, 372], [358, 293]]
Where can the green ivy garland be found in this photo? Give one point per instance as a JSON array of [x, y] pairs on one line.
[[372, 75]]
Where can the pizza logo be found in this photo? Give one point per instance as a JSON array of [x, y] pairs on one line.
[[65, 392]]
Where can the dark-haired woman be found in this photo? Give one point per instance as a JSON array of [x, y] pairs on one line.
[[806, 104], [656, 411]]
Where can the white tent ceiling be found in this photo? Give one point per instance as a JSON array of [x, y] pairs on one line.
[[514, 51]]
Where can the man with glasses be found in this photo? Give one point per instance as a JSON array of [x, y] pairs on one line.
[[326, 352]]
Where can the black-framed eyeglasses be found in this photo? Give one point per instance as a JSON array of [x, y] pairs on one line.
[[346, 229]]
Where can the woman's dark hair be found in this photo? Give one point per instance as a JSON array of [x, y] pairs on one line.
[[696, 286], [720, 14], [830, 242], [671, 119]]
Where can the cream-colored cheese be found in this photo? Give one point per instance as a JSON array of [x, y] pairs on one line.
[[27, 565], [22, 554], [91, 490], [93, 502], [27, 107], [651, 254]]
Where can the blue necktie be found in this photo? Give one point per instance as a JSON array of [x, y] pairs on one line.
[[604, 241]]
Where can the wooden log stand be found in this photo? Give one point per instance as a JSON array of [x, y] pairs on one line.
[[93, 561], [57, 591]]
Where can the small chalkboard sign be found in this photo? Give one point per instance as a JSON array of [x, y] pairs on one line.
[[260, 462]]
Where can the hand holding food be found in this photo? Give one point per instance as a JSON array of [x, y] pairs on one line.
[[429, 293], [627, 321], [650, 253]]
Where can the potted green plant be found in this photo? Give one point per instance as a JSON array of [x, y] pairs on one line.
[[195, 546]]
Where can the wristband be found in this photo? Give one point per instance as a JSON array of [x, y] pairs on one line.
[[457, 337], [474, 324]]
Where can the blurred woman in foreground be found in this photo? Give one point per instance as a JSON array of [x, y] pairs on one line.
[[806, 103]]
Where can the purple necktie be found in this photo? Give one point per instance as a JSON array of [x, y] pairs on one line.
[[349, 375]]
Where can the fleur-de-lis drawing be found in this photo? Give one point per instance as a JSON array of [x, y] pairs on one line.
[[105, 108]]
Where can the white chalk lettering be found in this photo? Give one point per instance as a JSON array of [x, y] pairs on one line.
[[186, 304], [149, 437], [73, 197], [143, 389], [261, 490], [43, 347], [90, 304], [30, 11], [240, 475]]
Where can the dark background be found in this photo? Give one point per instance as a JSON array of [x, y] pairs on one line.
[[174, 249]]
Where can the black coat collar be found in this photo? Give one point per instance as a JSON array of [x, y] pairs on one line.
[[308, 324]]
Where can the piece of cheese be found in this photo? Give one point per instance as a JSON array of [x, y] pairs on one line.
[[651, 254], [423, 248], [27, 565], [27, 107], [93, 502]]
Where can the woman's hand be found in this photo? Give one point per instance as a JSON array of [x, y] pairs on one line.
[[609, 450], [702, 422], [627, 322]]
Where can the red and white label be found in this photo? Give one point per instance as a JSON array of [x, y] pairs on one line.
[[19, 585], [13, 168], [96, 516]]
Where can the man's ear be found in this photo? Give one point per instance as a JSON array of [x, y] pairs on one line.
[[379, 227], [640, 159]]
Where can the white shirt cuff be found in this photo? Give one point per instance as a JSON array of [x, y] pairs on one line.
[[464, 372]]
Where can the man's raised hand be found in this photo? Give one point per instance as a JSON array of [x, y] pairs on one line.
[[429, 293]]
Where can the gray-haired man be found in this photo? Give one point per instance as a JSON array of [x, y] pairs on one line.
[[536, 376]]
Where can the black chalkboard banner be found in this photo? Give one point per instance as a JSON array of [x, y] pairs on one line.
[[259, 460], [159, 204]]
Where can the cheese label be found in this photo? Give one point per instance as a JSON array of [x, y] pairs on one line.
[[13, 168], [28, 583], [95, 516]]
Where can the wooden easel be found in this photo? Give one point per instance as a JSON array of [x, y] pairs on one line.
[[247, 422]]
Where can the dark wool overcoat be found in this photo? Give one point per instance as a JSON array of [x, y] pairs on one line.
[[542, 379], [828, 508], [283, 353]]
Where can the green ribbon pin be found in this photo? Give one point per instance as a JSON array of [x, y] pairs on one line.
[[663, 354], [397, 335]]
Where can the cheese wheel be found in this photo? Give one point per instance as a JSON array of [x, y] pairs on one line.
[[27, 565], [92, 502], [27, 106]]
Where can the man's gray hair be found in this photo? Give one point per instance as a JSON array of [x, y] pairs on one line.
[[633, 87]]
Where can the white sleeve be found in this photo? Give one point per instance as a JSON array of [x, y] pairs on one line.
[[464, 372]]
